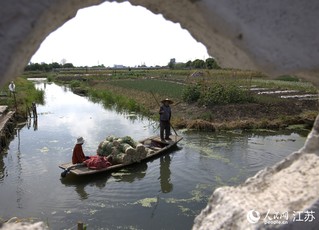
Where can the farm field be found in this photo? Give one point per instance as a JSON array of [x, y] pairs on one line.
[[161, 87], [204, 99]]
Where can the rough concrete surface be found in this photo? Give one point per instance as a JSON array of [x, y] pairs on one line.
[[277, 37]]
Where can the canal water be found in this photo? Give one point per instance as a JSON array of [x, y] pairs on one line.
[[165, 193]]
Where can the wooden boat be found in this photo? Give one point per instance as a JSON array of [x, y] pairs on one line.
[[153, 143]]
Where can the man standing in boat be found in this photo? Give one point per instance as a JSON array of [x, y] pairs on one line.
[[78, 154], [165, 117]]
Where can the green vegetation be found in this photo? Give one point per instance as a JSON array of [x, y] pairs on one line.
[[217, 94], [205, 99], [75, 84], [26, 93], [47, 67], [209, 63], [301, 86], [110, 100], [191, 93], [165, 88], [287, 78]]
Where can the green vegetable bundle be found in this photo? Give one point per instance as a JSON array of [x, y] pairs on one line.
[[123, 150]]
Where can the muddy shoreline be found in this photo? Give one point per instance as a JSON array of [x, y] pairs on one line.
[[274, 115], [246, 116]]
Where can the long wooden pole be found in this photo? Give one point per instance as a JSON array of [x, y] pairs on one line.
[[160, 105]]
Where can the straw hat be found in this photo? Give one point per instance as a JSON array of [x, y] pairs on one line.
[[168, 100], [79, 140]]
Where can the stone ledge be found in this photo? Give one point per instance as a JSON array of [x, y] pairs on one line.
[[290, 185]]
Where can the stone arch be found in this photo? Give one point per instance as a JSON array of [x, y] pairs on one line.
[[276, 37], [273, 36]]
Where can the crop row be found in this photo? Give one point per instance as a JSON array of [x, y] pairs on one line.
[[164, 88]]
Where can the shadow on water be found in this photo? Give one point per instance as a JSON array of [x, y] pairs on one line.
[[129, 174], [165, 174]]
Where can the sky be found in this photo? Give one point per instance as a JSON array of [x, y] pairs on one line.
[[119, 34]]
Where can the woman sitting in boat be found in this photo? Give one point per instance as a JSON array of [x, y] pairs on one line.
[[92, 162], [78, 154]]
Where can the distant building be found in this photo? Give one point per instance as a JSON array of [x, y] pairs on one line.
[[119, 66]]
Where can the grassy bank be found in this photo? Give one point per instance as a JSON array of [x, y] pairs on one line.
[[119, 102], [207, 99], [26, 93]]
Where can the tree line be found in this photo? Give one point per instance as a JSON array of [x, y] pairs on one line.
[[46, 67], [209, 63]]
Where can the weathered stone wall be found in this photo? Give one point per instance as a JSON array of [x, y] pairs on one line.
[[279, 36]]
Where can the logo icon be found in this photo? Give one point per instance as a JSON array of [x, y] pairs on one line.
[[253, 216]]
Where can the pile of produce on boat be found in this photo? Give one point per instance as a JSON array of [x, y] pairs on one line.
[[124, 150]]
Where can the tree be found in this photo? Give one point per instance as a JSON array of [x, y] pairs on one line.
[[198, 64], [180, 65], [68, 65], [33, 67], [211, 64], [171, 63], [55, 65], [188, 64]]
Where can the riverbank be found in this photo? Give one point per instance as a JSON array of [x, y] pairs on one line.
[[7, 125], [21, 101], [16, 108], [271, 114], [244, 99]]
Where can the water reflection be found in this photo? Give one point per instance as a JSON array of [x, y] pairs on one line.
[[65, 110], [20, 190], [165, 174], [129, 174], [2, 168], [34, 122], [175, 186], [81, 182]]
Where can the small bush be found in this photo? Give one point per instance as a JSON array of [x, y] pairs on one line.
[[191, 93], [75, 83], [219, 94]]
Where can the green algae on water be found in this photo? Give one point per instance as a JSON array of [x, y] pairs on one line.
[[147, 202]]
